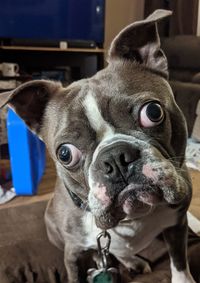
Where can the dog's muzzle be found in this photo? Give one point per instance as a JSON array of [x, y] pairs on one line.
[[129, 177]]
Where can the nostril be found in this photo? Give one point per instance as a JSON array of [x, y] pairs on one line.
[[108, 168], [123, 159], [136, 154]]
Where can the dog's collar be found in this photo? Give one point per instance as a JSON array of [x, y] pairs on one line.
[[77, 201]]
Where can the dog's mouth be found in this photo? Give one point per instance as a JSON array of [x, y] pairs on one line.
[[135, 201], [145, 194]]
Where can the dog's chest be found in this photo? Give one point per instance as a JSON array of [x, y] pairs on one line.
[[131, 237], [121, 236]]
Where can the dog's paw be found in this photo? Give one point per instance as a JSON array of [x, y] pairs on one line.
[[183, 279], [181, 276], [136, 265], [139, 266]]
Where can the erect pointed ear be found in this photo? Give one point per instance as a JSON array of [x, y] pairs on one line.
[[140, 42], [29, 101]]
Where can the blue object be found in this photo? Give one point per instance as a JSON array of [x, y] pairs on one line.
[[52, 19], [27, 156]]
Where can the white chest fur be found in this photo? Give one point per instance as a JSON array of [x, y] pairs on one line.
[[129, 238]]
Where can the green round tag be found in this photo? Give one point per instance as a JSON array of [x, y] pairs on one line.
[[103, 277]]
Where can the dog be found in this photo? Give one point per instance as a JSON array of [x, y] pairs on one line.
[[118, 141]]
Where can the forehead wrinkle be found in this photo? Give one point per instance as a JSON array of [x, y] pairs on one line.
[[93, 114]]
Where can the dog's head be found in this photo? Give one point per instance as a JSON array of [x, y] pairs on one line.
[[118, 138]]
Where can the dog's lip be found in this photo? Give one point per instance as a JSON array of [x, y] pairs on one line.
[[129, 191], [140, 192], [139, 196]]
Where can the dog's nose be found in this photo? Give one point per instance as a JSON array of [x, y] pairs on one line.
[[118, 161]]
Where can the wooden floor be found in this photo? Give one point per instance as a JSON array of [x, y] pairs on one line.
[[46, 188]]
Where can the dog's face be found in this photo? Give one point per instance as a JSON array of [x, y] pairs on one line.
[[118, 138], [124, 143]]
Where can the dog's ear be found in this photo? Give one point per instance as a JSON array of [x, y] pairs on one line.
[[140, 42], [29, 101]]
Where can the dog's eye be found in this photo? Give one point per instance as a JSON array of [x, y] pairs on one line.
[[151, 115], [69, 155]]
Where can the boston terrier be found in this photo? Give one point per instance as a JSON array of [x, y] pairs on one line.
[[118, 141]]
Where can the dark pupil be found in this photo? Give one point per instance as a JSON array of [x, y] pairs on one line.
[[154, 112], [65, 154]]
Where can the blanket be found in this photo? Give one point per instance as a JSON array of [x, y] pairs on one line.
[[26, 255]]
